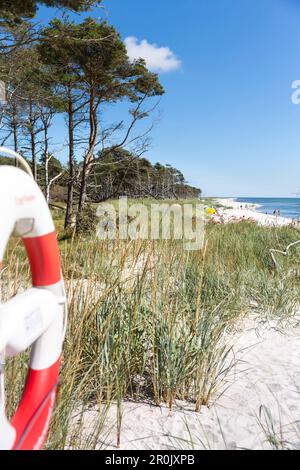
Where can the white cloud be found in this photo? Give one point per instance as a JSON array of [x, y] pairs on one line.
[[158, 59]]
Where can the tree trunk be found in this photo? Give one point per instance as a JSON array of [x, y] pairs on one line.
[[15, 131], [70, 197], [82, 195], [32, 141], [88, 158], [46, 153]]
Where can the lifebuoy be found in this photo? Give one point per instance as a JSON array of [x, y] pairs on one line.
[[38, 316]]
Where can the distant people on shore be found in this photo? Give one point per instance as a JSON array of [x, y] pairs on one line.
[[277, 213], [296, 222]]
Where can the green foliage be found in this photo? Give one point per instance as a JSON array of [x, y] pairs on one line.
[[88, 221], [96, 55], [16, 10], [117, 172], [76, 69], [54, 166], [8, 161]]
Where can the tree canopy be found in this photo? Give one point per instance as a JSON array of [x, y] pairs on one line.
[[73, 72], [16, 10], [93, 52]]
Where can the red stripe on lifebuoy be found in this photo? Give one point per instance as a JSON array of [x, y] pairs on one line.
[[44, 258], [32, 418]]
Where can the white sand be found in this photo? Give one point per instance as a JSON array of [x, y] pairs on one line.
[[232, 212], [267, 374], [233, 204]]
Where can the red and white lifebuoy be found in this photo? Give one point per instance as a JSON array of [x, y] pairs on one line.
[[38, 316]]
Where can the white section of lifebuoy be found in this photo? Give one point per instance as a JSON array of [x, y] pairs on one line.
[[25, 318], [37, 316], [48, 347], [22, 200]]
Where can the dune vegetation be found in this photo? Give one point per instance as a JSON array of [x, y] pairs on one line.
[[149, 321]]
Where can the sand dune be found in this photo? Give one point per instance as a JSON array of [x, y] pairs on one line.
[[262, 391]]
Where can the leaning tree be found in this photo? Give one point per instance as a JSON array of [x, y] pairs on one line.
[[98, 65]]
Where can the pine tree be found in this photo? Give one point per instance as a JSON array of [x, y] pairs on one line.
[[96, 54], [17, 10]]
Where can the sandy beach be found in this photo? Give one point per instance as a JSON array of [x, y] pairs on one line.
[[233, 211], [259, 403]]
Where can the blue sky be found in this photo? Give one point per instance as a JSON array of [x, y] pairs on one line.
[[228, 121]]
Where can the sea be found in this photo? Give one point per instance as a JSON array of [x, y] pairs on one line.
[[289, 207]]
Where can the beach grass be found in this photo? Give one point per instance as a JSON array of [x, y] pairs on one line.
[[151, 321]]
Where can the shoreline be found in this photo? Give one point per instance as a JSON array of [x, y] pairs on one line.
[[234, 211], [232, 203]]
